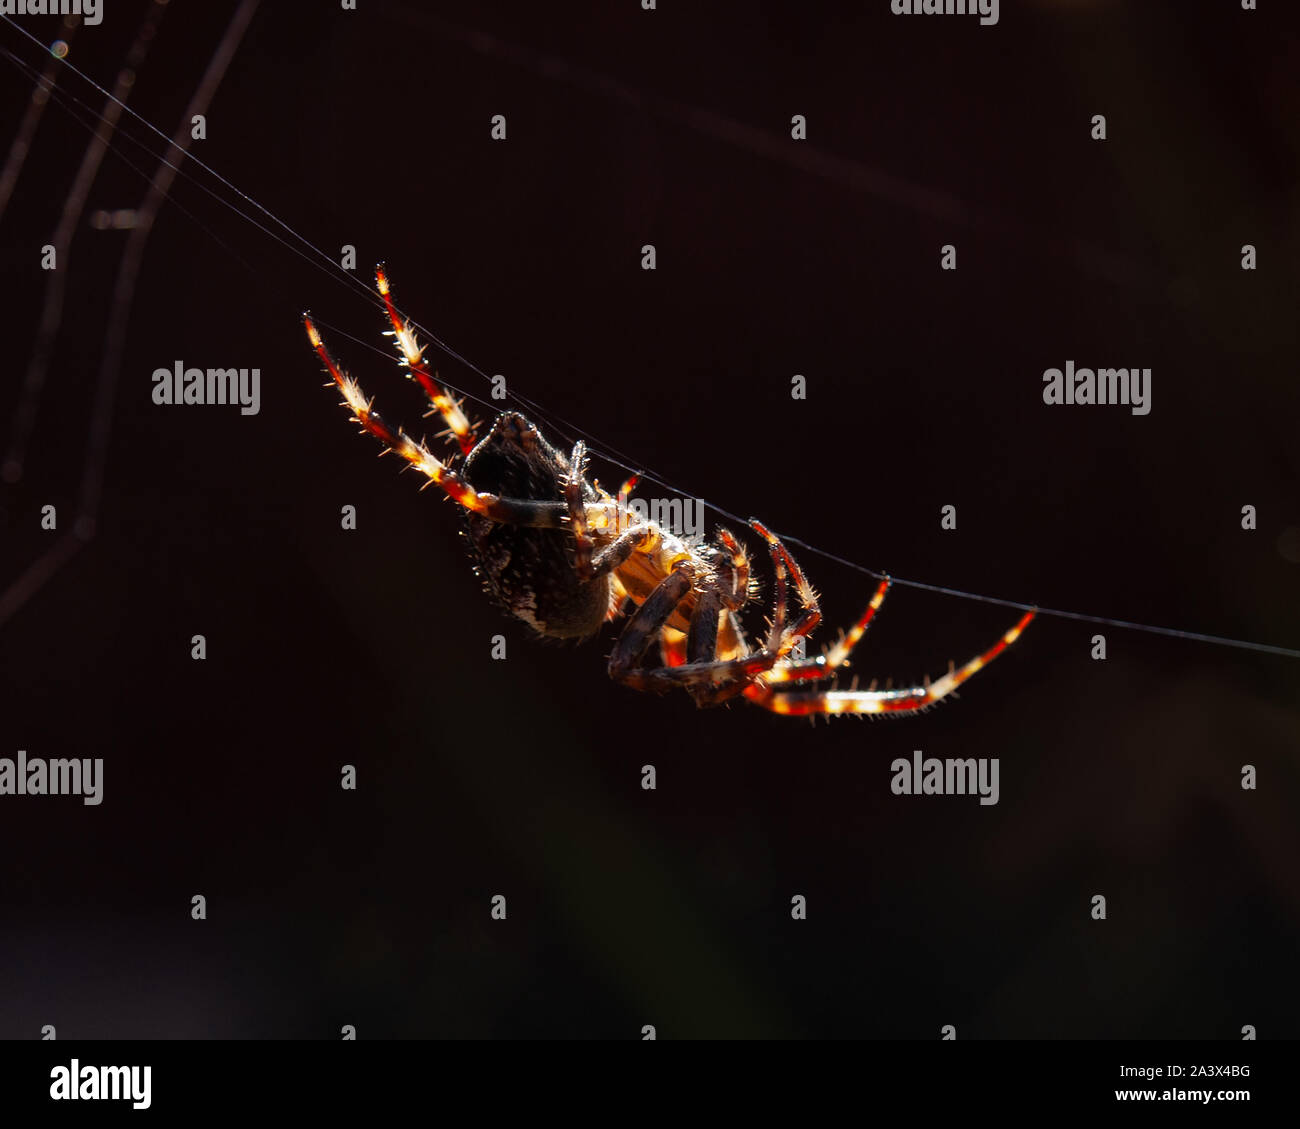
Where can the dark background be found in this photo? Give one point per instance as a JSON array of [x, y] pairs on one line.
[[522, 777]]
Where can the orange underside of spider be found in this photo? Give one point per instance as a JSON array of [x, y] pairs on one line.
[[686, 596]]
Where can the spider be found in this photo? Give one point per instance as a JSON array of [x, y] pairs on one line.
[[558, 552]]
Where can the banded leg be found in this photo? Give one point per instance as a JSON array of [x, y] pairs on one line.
[[509, 511], [582, 541], [625, 491], [709, 683], [621, 548], [693, 662], [618, 598], [910, 700], [702, 639], [707, 679], [642, 626], [739, 594], [812, 614], [458, 426], [832, 658]]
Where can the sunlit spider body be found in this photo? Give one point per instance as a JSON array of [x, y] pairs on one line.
[[562, 555]]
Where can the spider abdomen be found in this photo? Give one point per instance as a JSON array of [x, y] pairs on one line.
[[528, 572]]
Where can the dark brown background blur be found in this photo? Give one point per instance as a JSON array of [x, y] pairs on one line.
[[522, 778]]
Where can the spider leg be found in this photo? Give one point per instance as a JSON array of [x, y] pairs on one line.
[[777, 626], [709, 683], [622, 547], [706, 678], [702, 639], [812, 614], [458, 426], [739, 594], [644, 623], [587, 565], [618, 598], [582, 541], [506, 510], [832, 658], [910, 700]]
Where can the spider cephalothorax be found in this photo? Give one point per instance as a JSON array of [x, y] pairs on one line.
[[561, 554]]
